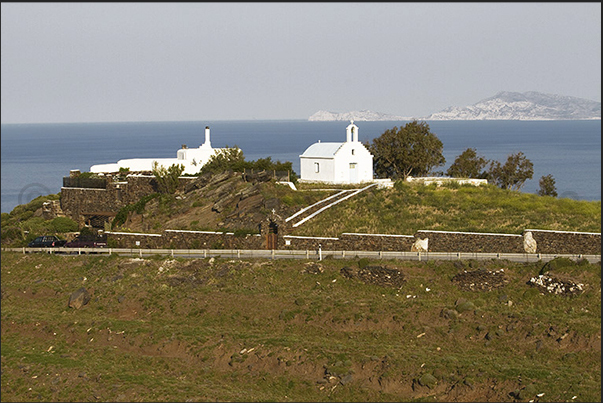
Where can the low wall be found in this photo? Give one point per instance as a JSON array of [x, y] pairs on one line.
[[449, 241], [182, 239], [548, 242], [134, 240], [584, 243], [351, 241]]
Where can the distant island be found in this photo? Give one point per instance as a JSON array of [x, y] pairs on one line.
[[502, 106], [360, 116]]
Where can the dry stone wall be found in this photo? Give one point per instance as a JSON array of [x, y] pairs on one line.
[[182, 239], [585, 243], [210, 240], [77, 203], [472, 242], [548, 242], [351, 241]]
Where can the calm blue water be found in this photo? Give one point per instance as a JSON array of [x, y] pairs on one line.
[[36, 157]]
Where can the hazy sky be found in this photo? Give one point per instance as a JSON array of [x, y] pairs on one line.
[[101, 62]]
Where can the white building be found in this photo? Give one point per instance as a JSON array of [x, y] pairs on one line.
[[338, 163], [192, 159]]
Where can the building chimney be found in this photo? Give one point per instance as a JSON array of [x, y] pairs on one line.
[[207, 141]]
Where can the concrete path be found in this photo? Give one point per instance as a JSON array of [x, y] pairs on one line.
[[312, 211]]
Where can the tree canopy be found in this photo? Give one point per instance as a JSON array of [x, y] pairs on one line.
[[232, 159], [513, 174], [547, 186], [468, 165], [412, 150]]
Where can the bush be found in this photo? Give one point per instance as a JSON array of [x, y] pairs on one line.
[[86, 231], [362, 263], [167, 178], [11, 234], [138, 207], [64, 224]]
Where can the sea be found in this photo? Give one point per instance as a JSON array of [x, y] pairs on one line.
[[36, 157]]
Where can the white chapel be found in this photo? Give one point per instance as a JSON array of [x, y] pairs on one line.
[[337, 163], [192, 159]]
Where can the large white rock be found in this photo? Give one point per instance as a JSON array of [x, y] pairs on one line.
[[420, 245], [529, 243]]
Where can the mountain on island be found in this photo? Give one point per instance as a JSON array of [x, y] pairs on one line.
[[523, 106], [502, 106], [359, 116]]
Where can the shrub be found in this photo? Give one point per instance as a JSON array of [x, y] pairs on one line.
[[138, 207], [64, 224], [86, 231], [167, 178], [362, 263], [11, 234]]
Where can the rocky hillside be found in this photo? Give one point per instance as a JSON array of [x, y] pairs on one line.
[[502, 106], [523, 106], [228, 200], [360, 116]]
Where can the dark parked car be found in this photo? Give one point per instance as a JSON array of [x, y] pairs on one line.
[[47, 241], [87, 242]]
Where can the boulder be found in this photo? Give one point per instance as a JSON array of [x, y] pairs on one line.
[[529, 243], [420, 245], [79, 298]]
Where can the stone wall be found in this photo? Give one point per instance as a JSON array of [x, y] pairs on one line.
[[585, 243], [548, 242], [129, 240], [350, 241], [180, 239], [79, 203], [376, 242], [473, 242]]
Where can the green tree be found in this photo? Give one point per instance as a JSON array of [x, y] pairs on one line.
[[547, 186], [513, 174], [412, 150], [225, 159], [167, 178], [468, 165]]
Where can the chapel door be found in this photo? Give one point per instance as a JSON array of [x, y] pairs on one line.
[[353, 172], [272, 236]]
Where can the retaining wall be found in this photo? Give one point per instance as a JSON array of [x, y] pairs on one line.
[[77, 202], [585, 243], [448, 241], [352, 241], [548, 242]]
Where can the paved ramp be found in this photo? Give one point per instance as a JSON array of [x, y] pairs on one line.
[[312, 211]]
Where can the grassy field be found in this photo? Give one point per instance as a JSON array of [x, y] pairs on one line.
[[407, 208], [261, 330]]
